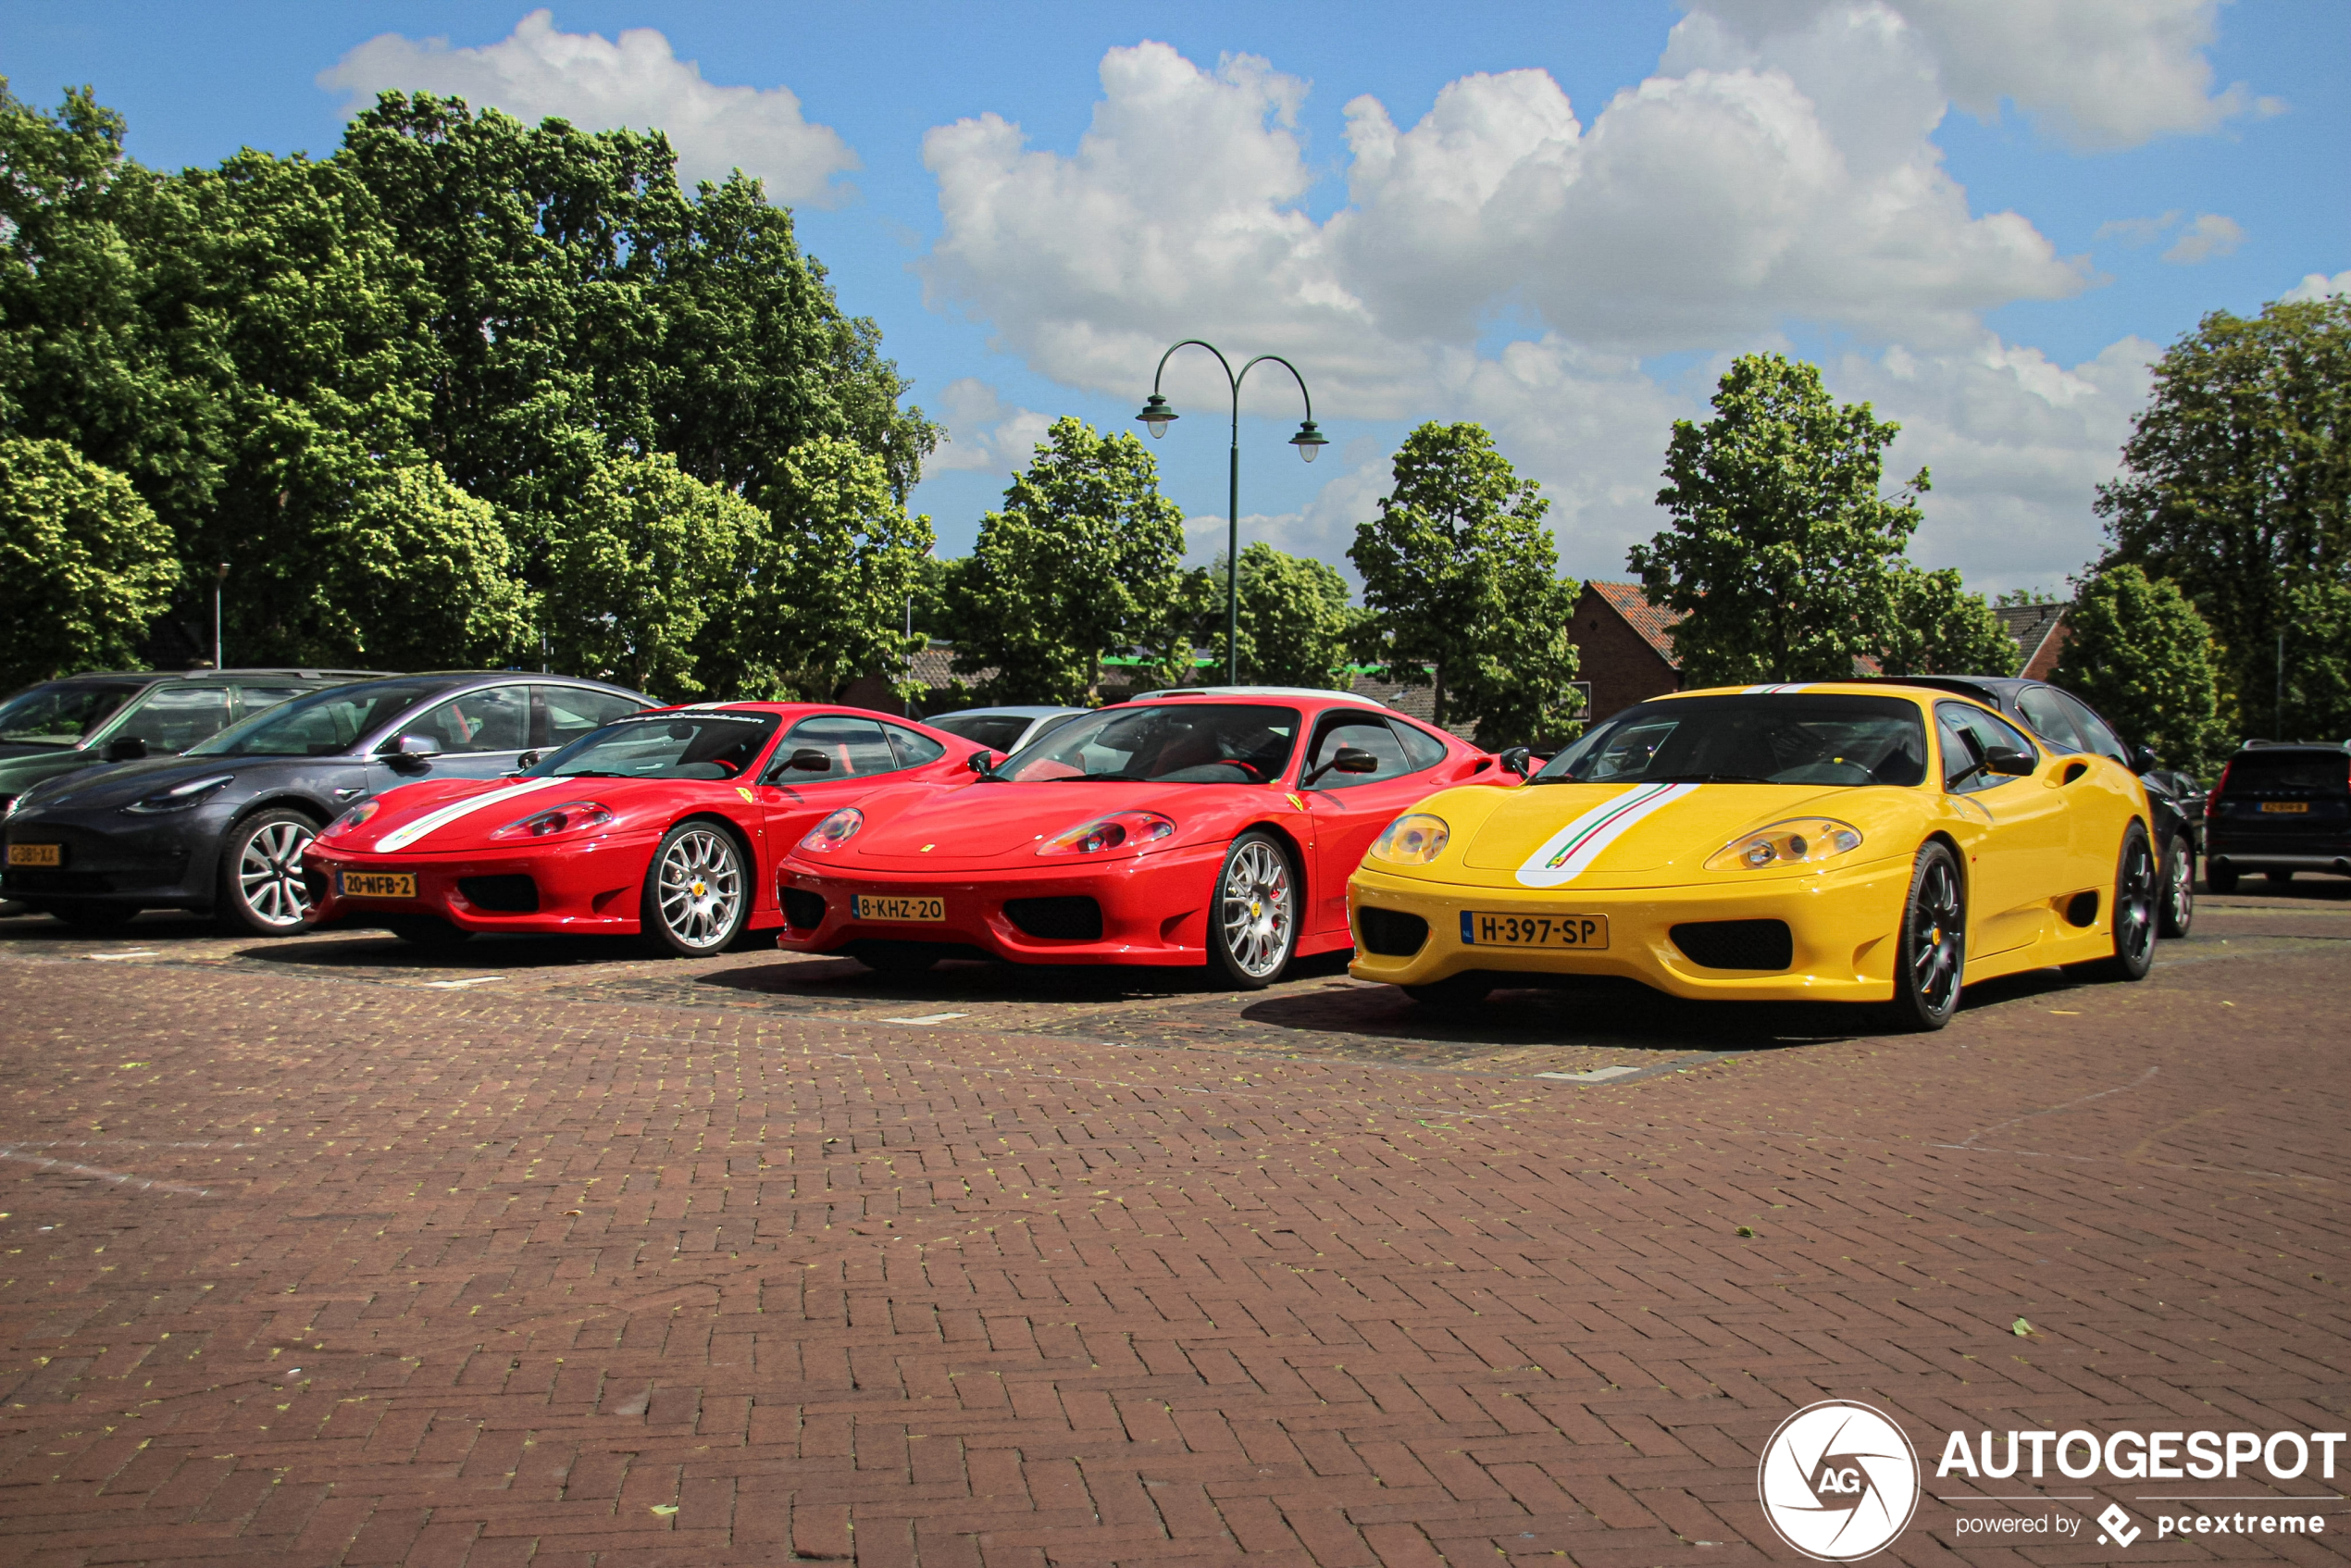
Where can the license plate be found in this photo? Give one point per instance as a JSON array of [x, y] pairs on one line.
[[872, 907], [380, 884], [2296, 808], [36, 854], [1480, 929]]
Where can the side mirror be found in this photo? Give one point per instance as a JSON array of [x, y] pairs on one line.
[[527, 759], [808, 759], [2009, 761], [1352, 759], [128, 748], [411, 753], [2143, 760], [982, 763], [1514, 760]]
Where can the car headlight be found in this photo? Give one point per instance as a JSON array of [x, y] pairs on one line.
[[351, 819], [179, 797], [1414, 839], [1804, 840], [1120, 828], [571, 816], [834, 831]]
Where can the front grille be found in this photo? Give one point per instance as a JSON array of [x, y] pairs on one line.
[[803, 910], [515, 894], [1736, 945], [1061, 919], [1391, 933]]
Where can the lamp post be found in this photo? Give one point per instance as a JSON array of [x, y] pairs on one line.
[[218, 583], [1157, 416]]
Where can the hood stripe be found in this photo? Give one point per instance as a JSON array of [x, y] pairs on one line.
[[401, 838], [1778, 689], [1569, 853]]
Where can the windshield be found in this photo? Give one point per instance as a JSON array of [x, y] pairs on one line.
[[1169, 743], [61, 713], [1788, 739], [324, 724], [664, 746]]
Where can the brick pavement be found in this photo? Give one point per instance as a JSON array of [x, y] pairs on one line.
[[315, 1261]]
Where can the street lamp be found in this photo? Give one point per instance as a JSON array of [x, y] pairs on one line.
[[1157, 416]]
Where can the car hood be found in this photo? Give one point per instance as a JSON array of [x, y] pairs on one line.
[[22, 766], [442, 816], [118, 784], [1000, 824]]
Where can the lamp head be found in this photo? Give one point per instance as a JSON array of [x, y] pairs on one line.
[[1309, 440], [1156, 416]]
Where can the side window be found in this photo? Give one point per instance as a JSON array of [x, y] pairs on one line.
[[497, 720], [1967, 734], [1422, 749], [912, 748], [2096, 734], [2047, 713], [856, 746], [174, 718], [560, 715], [252, 699], [1368, 734]]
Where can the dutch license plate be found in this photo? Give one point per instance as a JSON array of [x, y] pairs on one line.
[[1481, 930], [2295, 808], [36, 854], [380, 884], [873, 906]]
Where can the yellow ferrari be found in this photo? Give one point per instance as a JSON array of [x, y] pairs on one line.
[[1840, 842]]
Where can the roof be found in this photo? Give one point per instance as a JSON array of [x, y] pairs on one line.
[[1653, 623], [1254, 691], [2032, 626], [1017, 710]]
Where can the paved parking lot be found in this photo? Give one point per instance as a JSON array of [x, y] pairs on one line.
[[332, 1251]]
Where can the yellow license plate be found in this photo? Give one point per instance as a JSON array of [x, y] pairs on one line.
[[1481, 930], [2296, 808], [380, 884], [36, 854], [872, 907]]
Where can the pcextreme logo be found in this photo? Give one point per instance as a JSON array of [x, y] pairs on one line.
[[1838, 1481]]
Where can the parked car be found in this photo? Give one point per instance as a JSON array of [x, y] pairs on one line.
[[1208, 826], [2280, 808], [61, 726], [1003, 730], [222, 828], [2069, 724], [667, 823]]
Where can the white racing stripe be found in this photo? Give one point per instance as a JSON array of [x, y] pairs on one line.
[[401, 838], [1776, 690], [1569, 853]]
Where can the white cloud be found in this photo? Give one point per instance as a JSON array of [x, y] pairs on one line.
[[2209, 236], [2137, 231], [2317, 286], [984, 433], [635, 80]]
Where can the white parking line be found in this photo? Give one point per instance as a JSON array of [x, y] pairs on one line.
[[927, 1018], [453, 985], [110, 957], [1597, 1075]]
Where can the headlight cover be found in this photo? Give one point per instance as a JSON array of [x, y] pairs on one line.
[[1801, 840], [571, 816], [1121, 829], [179, 797], [1414, 839], [833, 832], [351, 819]]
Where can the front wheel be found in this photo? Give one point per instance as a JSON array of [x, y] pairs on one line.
[[1931, 960], [2178, 909], [1253, 927], [2137, 896], [694, 901], [261, 893]]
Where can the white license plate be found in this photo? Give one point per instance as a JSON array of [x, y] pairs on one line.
[[876, 906], [1582, 931]]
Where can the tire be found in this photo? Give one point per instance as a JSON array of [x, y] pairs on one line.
[[261, 891], [2219, 879], [2137, 897], [1252, 916], [1455, 993], [427, 930], [95, 917], [2279, 878], [1930, 960], [697, 891], [2176, 909]]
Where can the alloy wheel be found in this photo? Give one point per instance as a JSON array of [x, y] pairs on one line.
[[2135, 894], [2179, 891], [699, 887], [1938, 938], [270, 874], [1257, 908]]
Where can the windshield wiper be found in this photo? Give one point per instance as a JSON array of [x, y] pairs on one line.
[[1702, 779], [589, 773], [1092, 778]]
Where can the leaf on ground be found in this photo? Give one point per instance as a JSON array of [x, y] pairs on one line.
[[665, 1508], [2020, 1328]]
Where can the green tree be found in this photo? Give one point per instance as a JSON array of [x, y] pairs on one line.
[[1082, 561], [1298, 621], [1460, 581], [84, 566], [2237, 485], [1939, 628], [1782, 559], [416, 574], [2138, 652], [641, 562]]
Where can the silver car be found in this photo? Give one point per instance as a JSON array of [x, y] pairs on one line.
[[1003, 730]]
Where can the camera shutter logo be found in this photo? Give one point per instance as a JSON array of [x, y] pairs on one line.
[[1838, 1481]]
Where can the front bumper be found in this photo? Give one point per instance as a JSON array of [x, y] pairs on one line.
[[1154, 908], [1842, 925], [593, 886], [116, 857]]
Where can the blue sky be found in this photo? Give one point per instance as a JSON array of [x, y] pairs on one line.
[[1559, 221]]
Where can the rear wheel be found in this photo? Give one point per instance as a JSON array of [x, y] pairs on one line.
[[2178, 909], [2136, 896], [1931, 959], [695, 899], [261, 893], [2219, 879], [1252, 922], [426, 930]]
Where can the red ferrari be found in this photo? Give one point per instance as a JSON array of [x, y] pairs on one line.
[[667, 823], [1215, 827]]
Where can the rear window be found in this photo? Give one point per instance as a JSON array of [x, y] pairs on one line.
[[995, 731], [2306, 773]]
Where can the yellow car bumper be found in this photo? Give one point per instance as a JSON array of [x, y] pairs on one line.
[[1843, 930]]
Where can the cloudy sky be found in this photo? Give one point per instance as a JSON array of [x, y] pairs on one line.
[[1985, 216]]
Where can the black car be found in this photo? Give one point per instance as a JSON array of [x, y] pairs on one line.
[[2281, 807], [80, 721], [2071, 725], [223, 827]]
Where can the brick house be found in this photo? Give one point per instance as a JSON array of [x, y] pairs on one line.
[[1625, 654], [2040, 631]]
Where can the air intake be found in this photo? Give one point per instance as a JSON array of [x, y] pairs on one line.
[[1389, 932], [803, 910], [501, 895], [1060, 920], [1736, 945]]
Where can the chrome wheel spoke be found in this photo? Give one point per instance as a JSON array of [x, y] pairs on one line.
[[270, 874], [699, 887]]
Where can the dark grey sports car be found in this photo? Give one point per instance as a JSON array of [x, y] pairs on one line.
[[222, 826]]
